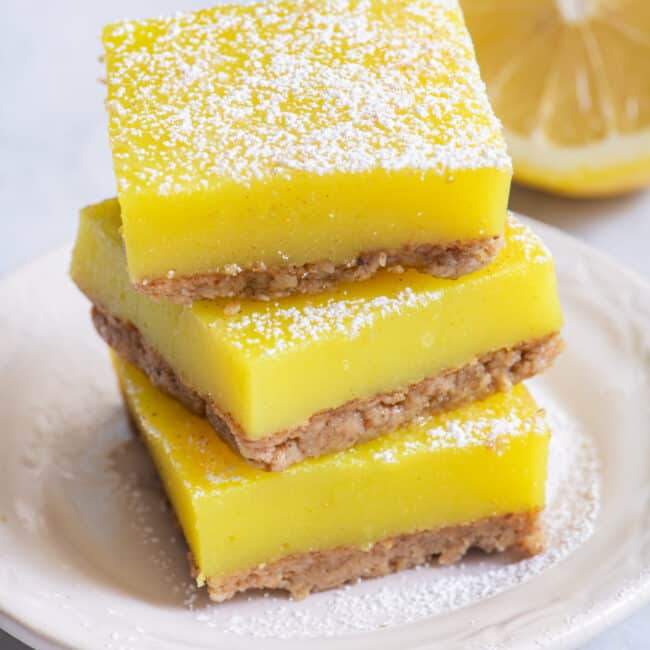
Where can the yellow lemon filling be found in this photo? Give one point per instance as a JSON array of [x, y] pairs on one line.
[[273, 365], [483, 460], [287, 133]]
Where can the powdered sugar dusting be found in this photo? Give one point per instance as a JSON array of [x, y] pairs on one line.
[[534, 249], [481, 424], [238, 93], [573, 502], [276, 327]]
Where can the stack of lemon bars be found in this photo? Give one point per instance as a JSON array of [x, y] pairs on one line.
[[319, 309]]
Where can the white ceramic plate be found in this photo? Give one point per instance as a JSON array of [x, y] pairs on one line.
[[89, 556]]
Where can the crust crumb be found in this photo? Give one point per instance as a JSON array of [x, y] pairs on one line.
[[265, 282], [303, 573]]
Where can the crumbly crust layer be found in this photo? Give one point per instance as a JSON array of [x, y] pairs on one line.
[[262, 282], [303, 573], [353, 422]]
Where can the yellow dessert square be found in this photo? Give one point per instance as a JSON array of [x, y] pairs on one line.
[[482, 467], [284, 133], [268, 368]]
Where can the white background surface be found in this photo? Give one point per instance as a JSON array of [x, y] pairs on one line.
[[54, 158]]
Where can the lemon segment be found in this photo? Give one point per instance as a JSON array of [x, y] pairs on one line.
[[570, 80]]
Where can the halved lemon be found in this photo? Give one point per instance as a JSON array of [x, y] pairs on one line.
[[570, 80]]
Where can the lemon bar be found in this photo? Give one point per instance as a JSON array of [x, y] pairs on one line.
[[472, 477], [307, 375], [284, 146]]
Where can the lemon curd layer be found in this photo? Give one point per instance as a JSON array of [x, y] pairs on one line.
[[290, 132], [270, 366], [483, 460]]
